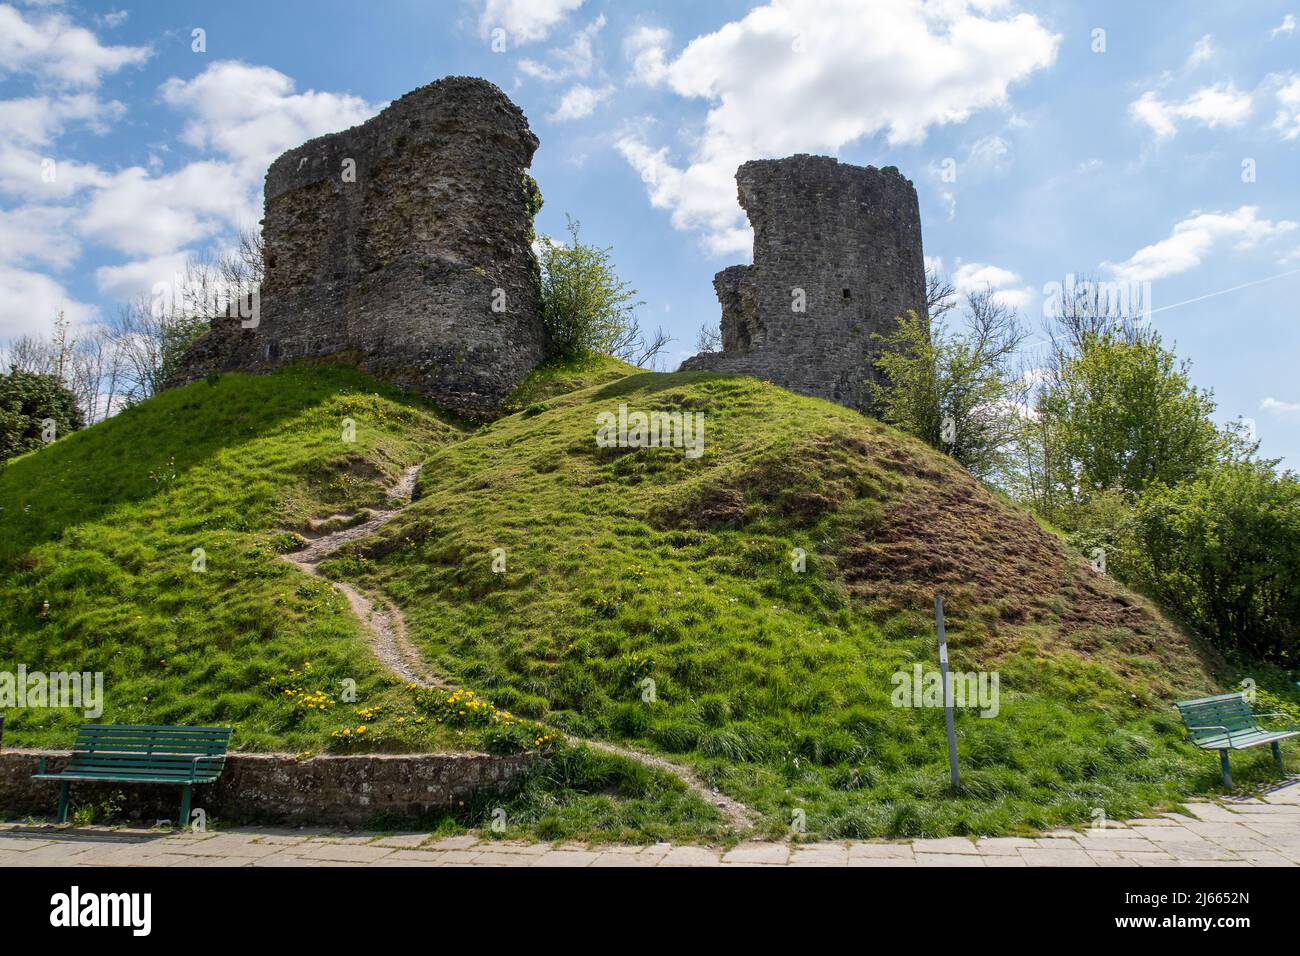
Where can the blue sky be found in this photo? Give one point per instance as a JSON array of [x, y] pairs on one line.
[[1162, 151]]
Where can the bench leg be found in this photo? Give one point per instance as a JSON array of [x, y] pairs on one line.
[[1227, 771], [185, 807], [1277, 755], [63, 802]]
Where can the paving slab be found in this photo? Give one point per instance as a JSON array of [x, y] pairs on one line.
[[962, 845], [1239, 832], [764, 853]]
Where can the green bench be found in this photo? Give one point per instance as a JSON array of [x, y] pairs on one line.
[[1226, 723], [120, 753]]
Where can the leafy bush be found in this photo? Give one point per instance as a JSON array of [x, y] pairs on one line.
[[1223, 551], [585, 306], [27, 402]]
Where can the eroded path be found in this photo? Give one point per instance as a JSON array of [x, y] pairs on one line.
[[386, 633]]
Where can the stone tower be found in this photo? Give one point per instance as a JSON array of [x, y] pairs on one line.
[[403, 246], [840, 242]]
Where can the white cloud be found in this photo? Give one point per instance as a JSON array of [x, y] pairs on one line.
[[990, 152], [123, 283], [23, 174], [580, 101], [524, 20], [140, 214], [1285, 28], [1195, 238], [1287, 120], [29, 301], [54, 49], [252, 113], [1008, 288], [815, 75], [114, 18], [646, 48], [245, 115], [574, 61], [1202, 52], [36, 120], [38, 234], [1280, 407], [1219, 105]]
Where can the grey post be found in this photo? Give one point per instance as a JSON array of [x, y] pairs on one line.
[[947, 693]]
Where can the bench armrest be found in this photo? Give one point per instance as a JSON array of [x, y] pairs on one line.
[[1288, 717], [1214, 727]]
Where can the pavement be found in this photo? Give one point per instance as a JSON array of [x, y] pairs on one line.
[[1255, 831]]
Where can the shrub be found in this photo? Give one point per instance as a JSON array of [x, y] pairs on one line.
[[27, 402], [1223, 551], [585, 306]]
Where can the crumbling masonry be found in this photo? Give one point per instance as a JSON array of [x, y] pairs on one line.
[[837, 256], [403, 246]]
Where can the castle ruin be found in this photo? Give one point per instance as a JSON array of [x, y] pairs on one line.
[[403, 246], [837, 256]]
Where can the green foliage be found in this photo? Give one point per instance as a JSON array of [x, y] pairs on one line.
[[559, 376], [585, 306], [954, 391], [102, 526], [1223, 550], [27, 402], [773, 686], [1124, 415], [176, 334]]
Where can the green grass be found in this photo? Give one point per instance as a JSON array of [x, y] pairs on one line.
[[775, 685], [621, 565], [103, 524], [560, 377]]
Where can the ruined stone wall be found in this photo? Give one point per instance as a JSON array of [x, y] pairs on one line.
[[847, 237], [418, 268], [353, 790]]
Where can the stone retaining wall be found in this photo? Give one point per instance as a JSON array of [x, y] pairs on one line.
[[361, 790]]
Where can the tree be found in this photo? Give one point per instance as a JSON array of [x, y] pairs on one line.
[[1126, 415], [34, 408], [1223, 551], [586, 307], [956, 391]]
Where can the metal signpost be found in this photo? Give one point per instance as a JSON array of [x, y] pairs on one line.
[[947, 693]]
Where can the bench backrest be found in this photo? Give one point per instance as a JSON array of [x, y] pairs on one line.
[[147, 751], [1226, 710]]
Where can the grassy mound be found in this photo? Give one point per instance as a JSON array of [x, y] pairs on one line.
[[622, 565], [559, 377], [631, 594], [104, 525]]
